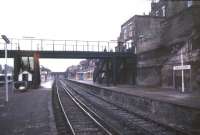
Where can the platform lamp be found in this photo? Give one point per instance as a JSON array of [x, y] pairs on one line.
[[6, 78]]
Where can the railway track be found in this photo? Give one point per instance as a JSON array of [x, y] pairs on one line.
[[125, 122], [74, 118]]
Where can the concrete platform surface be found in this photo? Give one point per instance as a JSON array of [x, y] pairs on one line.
[[28, 113], [188, 99]]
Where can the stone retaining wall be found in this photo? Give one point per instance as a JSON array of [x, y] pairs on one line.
[[171, 114]]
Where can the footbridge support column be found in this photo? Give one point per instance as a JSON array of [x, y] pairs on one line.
[[17, 66], [107, 73], [114, 72], [36, 72]]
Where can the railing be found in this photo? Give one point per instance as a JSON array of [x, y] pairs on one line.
[[61, 45]]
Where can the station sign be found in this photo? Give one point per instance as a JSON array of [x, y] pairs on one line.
[[182, 67]]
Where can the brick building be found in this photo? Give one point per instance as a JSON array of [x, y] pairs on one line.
[[86, 70], [171, 30], [83, 71]]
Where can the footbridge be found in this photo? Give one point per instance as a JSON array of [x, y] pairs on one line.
[[27, 52], [48, 48]]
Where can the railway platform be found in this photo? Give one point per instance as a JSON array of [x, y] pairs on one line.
[[165, 106], [28, 113], [188, 99]]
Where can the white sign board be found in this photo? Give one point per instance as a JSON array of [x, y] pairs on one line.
[[182, 67]]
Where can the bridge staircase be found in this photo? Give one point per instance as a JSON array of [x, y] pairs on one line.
[[98, 71], [124, 73]]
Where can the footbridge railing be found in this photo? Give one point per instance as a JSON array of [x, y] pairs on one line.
[[62, 45]]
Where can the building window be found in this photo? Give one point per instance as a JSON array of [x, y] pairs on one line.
[[157, 13], [135, 49], [125, 34], [134, 33], [131, 27], [189, 3], [130, 33], [189, 47], [163, 10]]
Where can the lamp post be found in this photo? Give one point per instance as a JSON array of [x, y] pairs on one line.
[[7, 41]]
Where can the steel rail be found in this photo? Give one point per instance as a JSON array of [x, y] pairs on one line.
[[80, 104], [63, 110], [114, 130]]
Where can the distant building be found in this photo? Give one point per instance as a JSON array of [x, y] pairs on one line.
[[60, 75], [138, 30], [83, 71], [71, 72], [168, 8], [9, 69], [45, 73], [160, 39]]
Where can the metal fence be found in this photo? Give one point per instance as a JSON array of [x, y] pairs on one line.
[[61, 45]]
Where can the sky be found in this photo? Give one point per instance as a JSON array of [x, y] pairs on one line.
[[94, 20]]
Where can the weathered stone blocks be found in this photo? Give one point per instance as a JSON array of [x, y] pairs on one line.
[[165, 112]]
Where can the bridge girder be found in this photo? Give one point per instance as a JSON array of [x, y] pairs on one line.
[[69, 54]]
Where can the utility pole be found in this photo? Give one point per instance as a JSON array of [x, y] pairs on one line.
[[7, 41]]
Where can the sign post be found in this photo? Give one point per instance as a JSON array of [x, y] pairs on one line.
[[182, 68], [182, 71]]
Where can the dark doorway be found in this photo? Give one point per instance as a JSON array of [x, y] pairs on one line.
[[25, 77]]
